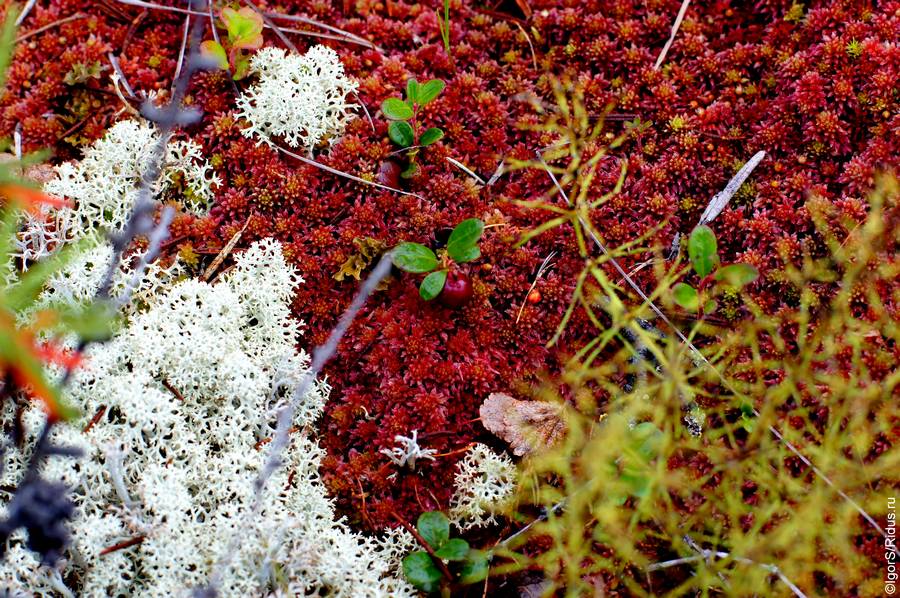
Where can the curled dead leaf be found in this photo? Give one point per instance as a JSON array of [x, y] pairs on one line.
[[528, 426]]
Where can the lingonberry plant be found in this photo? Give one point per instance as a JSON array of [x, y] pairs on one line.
[[244, 28], [704, 256], [445, 562], [404, 129], [445, 280]]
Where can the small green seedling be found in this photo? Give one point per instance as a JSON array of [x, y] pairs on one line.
[[244, 28], [463, 564], [703, 252], [404, 129], [453, 286]]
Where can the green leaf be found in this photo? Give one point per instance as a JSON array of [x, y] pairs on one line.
[[93, 323], [475, 568], [434, 527], [7, 41], [421, 571], [244, 28], [646, 440], [710, 306], [468, 255], [214, 52], [412, 91], [454, 550], [401, 133], [463, 238], [429, 91], [432, 285], [686, 296], [414, 257], [241, 65], [32, 282], [737, 275], [702, 250], [396, 109], [430, 136], [411, 170]]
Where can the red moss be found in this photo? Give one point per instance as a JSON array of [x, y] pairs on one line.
[[817, 94]]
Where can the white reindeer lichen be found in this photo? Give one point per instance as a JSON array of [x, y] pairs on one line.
[[408, 452], [177, 409], [300, 99], [485, 483], [103, 187]]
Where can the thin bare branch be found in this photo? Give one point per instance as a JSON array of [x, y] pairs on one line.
[[74, 17], [340, 173], [675, 27]]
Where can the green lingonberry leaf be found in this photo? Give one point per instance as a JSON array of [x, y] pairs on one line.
[[401, 133], [737, 275], [396, 109], [412, 91], [244, 28], [429, 91], [415, 258], [467, 255], [434, 527], [215, 53], [421, 571], [686, 296], [454, 550], [475, 568], [430, 136], [432, 285], [702, 250], [463, 238], [710, 306]]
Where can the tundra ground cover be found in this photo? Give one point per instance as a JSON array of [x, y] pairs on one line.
[[812, 85]]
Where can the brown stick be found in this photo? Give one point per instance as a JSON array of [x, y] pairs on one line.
[[100, 411], [440, 563], [122, 545], [173, 390]]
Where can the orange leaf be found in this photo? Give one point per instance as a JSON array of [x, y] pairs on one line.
[[29, 198]]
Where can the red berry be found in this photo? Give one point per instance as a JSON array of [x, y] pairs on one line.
[[457, 290], [534, 296], [389, 174]]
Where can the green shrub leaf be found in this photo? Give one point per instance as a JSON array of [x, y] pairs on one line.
[[463, 238], [244, 28], [475, 568], [686, 296], [430, 136], [414, 257], [454, 550], [214, 52], [702, 250], [396, 109], [434, 527], [412, 91], [433, 284], [401, 133], [467, 255], [737, 275], [421, 571], [430, 90]]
